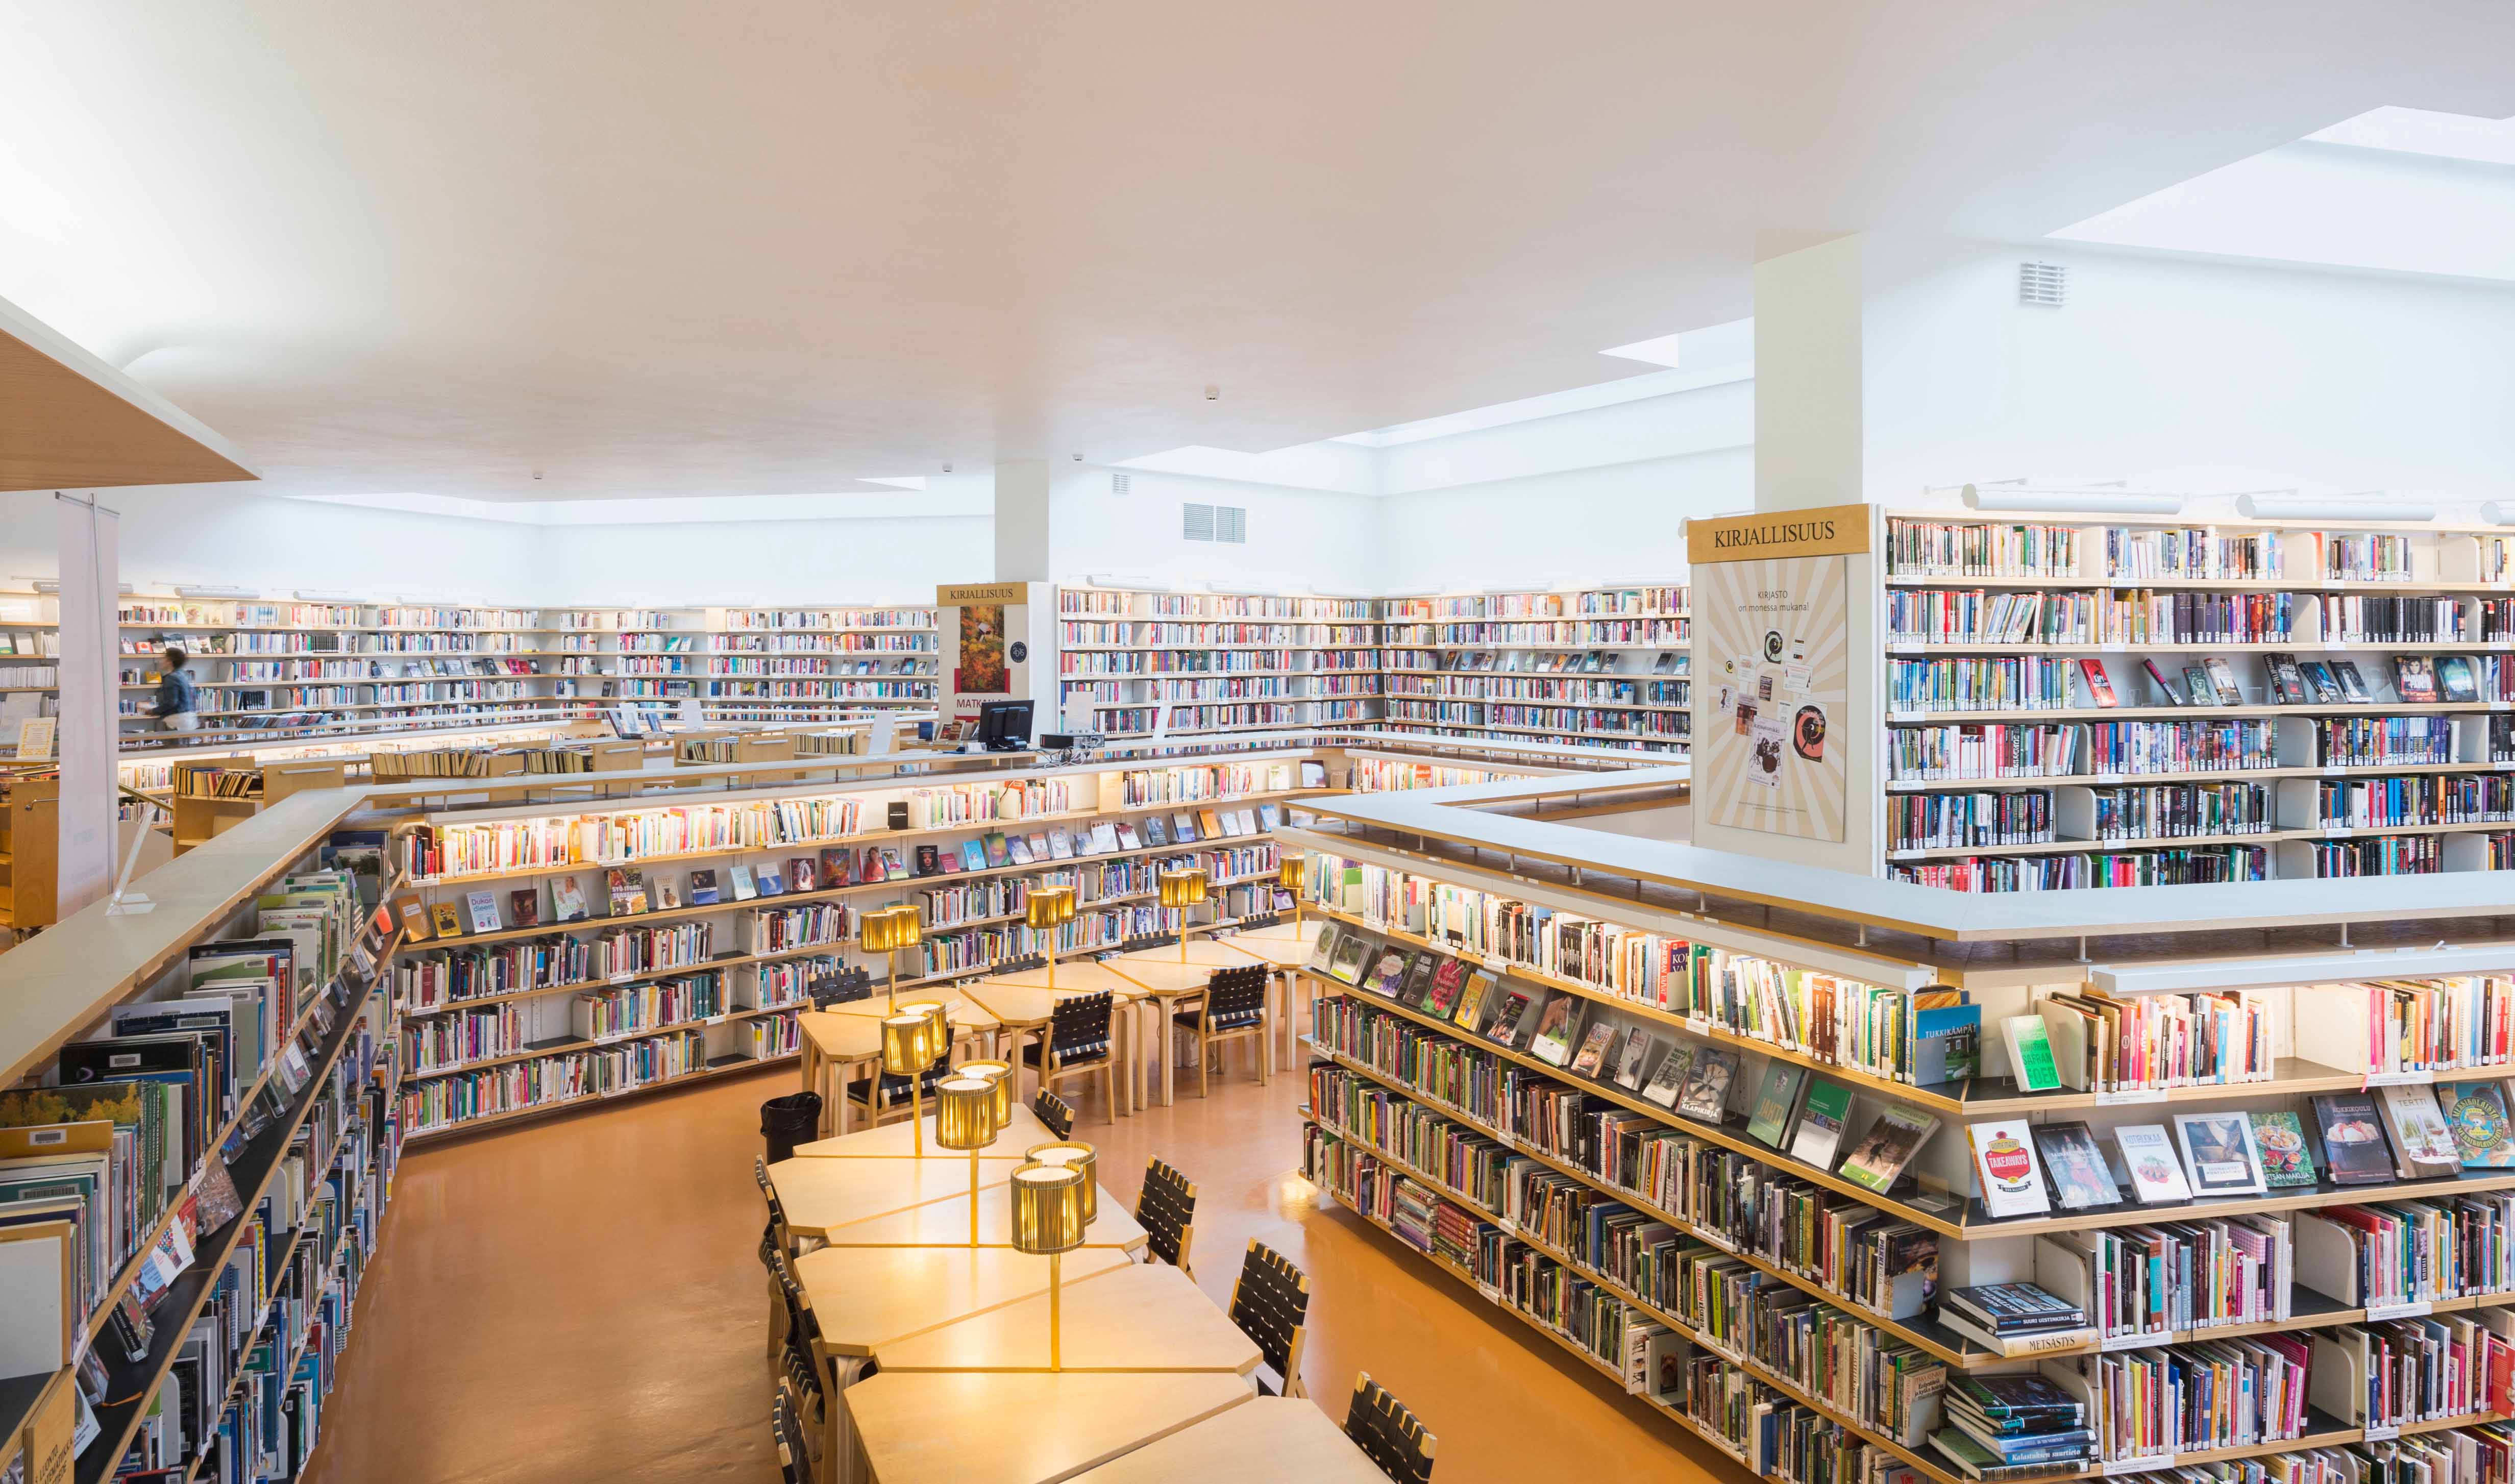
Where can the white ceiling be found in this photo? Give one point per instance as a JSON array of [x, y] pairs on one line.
[[666, 248]]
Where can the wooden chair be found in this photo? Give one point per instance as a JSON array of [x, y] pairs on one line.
[[793, 1450], [1233, 1009], [804, 1356], [1078, 1045], [773, 1240], [1165, 1209], [884, 1098], [1054, 1111], [802, 1416], [1270, 1302], [1384, 1430]]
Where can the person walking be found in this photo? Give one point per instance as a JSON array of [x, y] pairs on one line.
[[179, 700]]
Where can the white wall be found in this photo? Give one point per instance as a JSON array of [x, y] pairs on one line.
[[1619, 523], [888, 561], [1298, 539]]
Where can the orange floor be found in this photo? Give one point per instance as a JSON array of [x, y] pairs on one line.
[[579, 1299]]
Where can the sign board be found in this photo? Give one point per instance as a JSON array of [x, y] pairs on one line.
[[1832, 530], [951, 594], [1772, 661], [35, 738]]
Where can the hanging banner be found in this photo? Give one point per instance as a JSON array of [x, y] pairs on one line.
[[91, 690], [1772, 657]]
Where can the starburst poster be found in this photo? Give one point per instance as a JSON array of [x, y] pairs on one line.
[[1772, 659]]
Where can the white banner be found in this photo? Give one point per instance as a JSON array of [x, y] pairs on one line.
[[91, 690]]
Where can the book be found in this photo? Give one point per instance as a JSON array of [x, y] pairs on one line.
[[1509, 1018], [2198, 687], [2014, 1308], [2318, 677], [415, 925], [1707, 1082], [1388, 972], [1417, 988], [1632, 1061], [525, 904], [2166, 693], [2100, 686], [1591, 1059], [2454, 679], [2219, 1153], [1443, 980], [972, 855], [1878, 1160], [2148, 1154], [2003, 1161], [836, 868], [667, 893], [2287, 678], [2076, 1163], [1558, 1025], [2222, 679], [1770, 1118], [2413, 677], [801, 875], [1968, 1457], [744, 888], [567, 900], [447, 921], [2423, 1148], [1668, 1080], [2281, 1140], [1475, 1000], [1946, 1043], [1323, 948], [2029, 1053], [1184, 828], [2475, 1114], [1350, 952], [703, 889], [2353, 685], [1819, 1134], [872, 867], [2355, 1151]]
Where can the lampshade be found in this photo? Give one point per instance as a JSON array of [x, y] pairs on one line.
[[1047, 1209], [965, 1113], [1077, 1155], [1048, 906], [903, 1044], [1001, 1073], [873, 929], [1183, 888], [1292, 872], [907, 929], [939, 1029]]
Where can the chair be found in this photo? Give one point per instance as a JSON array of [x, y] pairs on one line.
[[1165, 1209], [793, 1450], [1232, 1009], [892, 1099], [1078, 1045], [1384, 1430], [1269, 1302], [773, 1241], [1054, 1111]]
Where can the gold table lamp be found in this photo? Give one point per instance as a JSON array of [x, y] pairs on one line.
[[907, 1051], [1045, 909], [1293, 873], [1181, 889], [1001, 1073], [886, 932], [1048, 1222], [964, 1118], [1080, 1156]]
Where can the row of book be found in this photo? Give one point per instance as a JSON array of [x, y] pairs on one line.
[[2089, 870], [2106, 616], [2429, 798], [827, 618], [1586, 692], [1158, 636], [438, 1103], [1965, 821], [1479, 661], [1119, 603], [2380, 855]]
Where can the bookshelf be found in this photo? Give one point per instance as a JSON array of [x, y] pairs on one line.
[[31, 660], [1688, 1251], [762, 664], [1604, 666], [2005, 769], [1215, 662], [656, 986], [29, 844]]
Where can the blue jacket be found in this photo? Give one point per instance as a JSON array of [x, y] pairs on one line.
[[177, 694]]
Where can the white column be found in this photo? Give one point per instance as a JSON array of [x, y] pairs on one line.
[[90, 680], [1023, 521], [1809, 377]]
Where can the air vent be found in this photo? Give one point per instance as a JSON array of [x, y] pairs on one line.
[[1118, 484], [1231, 524], [1196, 522], [2042, 283]]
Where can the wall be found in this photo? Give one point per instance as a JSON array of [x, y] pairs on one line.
[[884, 560], [1298, 539], [1619, 523]]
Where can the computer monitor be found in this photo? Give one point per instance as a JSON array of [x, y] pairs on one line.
[[1003, 727]]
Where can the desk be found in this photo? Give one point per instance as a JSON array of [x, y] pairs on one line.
[[1261, 1441], [899, 1141], [1168, 981], [947, 1223], [1151, 1317], [836, 1050], [1033, 1428], [1021, 1002], [1208, 951], [965, 1015], [823, 1193]]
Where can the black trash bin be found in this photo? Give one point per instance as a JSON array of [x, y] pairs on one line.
[[788, 1121]]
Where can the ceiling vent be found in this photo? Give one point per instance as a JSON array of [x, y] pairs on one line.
[[1196, 522], [1117, 484], [1231, 524], [2042, 283]]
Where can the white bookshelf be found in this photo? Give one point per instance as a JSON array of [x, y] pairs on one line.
[[1605, 665], [1215, 662]]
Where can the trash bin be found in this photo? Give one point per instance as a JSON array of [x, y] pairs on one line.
[[788, 1121]]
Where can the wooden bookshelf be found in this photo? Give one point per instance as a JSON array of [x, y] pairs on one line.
[[1607, 666], [1216, 662], [30, 845]]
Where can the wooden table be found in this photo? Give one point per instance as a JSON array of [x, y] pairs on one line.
[[897, 1140], [1261, 1441], [965, 1015], [1151, 1317], [835, 1051], [1024, 1427], [821, 1193], [1167, 982], [1021, 1002], [947, 1223]]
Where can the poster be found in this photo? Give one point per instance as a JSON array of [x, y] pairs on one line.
[[1772, 652], [982, 652]]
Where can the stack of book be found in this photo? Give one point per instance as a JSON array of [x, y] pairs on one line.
[[2012, 1427], [2015, 1318]]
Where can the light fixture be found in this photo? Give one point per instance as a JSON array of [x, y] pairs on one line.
[[965, 1120], [903, 1055], [1214, 393], [2497, 512], [947, 468], [886, 930], [1083, 1157], [1181, 889], [302, 595], [2367, 505], [1001, 1073], [1048, 1222], [1045, 909], [2092, 502], [198, 590], [1293, 873], [1078, 458]]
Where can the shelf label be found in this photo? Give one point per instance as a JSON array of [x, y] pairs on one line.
[[1497, 962], [2401, 1079], [2376, 1432], [624, 977], [1718, 1240], [2413, 1309], [1699, 1024], [1508, 1225], [1907, 716], [2117, 1098], [2139, 1464], [2140, 1341], [1492, 1293]]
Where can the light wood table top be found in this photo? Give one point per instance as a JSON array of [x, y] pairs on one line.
[[840, 1038], [965, 1015], [1203, 948], [1026, 1427], [897, 1141], [1151, 1317], [1025, 1006], [1073, 976], [1262, 1440], [1278, 946], [823, 1193], [1160, 973], [866, 1295], [946, 1224]]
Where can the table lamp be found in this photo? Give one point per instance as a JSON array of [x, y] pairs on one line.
[[1293, 873], [1001, 1073], [1048, 1222], [906, 1051], [1183, 888], [1080, 1156], [964, 1118], [1045, 909], [887, 932]]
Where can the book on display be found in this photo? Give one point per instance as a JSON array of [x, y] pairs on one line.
[[2076, 1162], [1669, 1079], [2475, 1113], [1879, 1160], [1558, 1028], [2219, 1153], [2286, 1160], [1707, 1082], [2423, 1147], [2003, 1161], [2355, 1150], [1633, 1059], [1817, 1139], [2156, 1172], [1770, 1118]]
